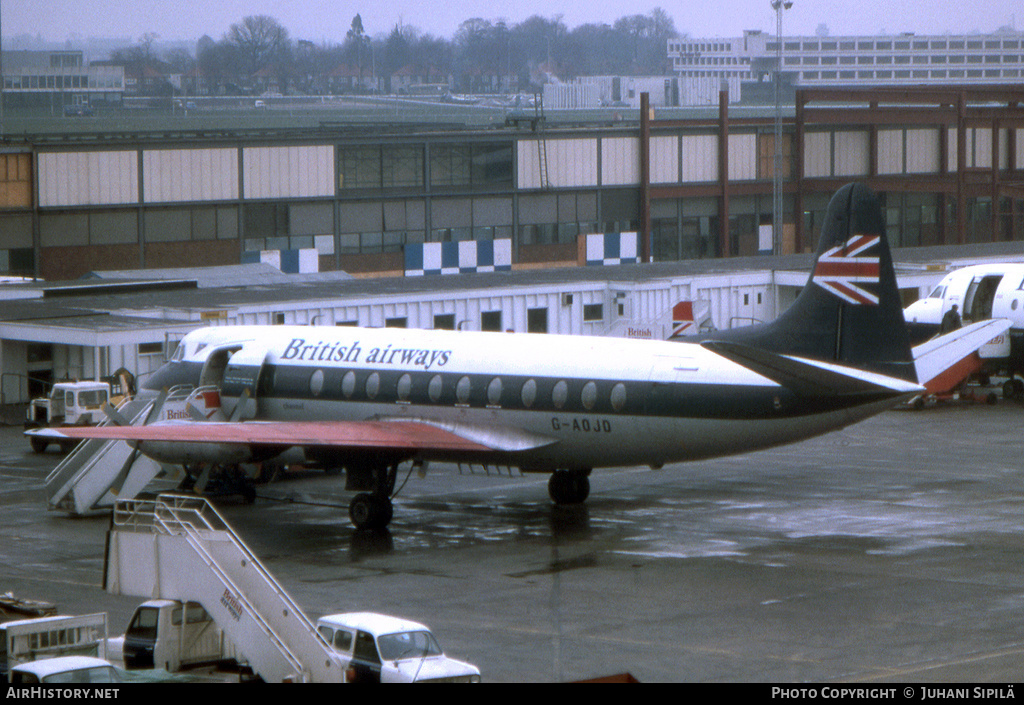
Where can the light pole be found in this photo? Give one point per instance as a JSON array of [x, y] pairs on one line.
[[779, 6]]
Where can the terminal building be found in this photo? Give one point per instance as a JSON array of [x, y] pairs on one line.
[[747, 64]]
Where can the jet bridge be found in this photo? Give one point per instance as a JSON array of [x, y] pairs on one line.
[[179, 548]]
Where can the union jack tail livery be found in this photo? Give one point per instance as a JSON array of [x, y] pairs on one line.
[[844, 269], [850, 312]]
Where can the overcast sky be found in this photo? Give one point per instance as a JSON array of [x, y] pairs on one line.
[[327, 21]]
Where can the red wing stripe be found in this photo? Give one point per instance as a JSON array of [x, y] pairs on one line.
[[353, 434]]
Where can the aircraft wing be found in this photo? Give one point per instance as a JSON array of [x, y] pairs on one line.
[[946, 360], [812, 378], [395, 434]]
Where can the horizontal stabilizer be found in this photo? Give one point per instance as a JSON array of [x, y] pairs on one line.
[[812, 378], [943, 362]]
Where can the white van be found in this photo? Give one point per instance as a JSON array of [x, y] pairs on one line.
[[384, 649]]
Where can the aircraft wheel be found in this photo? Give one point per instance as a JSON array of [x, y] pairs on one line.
[[569, 487], [38, 444], [368, 511]]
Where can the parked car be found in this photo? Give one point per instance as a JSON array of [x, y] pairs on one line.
[[65, 669]]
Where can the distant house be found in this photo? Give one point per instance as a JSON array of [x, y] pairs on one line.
[[346, 78], [418, 79]]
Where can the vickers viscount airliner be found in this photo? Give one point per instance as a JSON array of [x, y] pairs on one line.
[[367, 400]]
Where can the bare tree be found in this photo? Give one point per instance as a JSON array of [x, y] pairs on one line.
[[261, 40]]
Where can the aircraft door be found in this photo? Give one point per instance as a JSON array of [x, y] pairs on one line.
[[980, 297], [246, 378]]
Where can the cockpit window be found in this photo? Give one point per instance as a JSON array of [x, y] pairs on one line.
[[938, 292]]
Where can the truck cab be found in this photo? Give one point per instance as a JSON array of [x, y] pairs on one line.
[[384, 649], [172, 635]]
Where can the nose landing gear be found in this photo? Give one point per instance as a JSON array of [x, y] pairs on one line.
[[569, 486]]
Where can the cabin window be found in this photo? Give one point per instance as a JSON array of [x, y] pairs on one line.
[[348, 384], [373, 385], [494, 392], [404, 387], [434, 388], [560, 394], [462, 390], [589, 395], [529, 393], [316, 383], [619, 396]]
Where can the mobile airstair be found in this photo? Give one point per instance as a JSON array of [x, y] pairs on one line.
[[179, 548], [99, 472]]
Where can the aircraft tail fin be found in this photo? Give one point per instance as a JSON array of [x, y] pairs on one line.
[[850, 312]]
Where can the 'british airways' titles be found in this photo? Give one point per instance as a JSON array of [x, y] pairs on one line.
[[299, 349]]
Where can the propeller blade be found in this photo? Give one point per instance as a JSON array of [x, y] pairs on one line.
[[204, 477]]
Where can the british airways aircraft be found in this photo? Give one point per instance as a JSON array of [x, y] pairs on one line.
[[367, 400]]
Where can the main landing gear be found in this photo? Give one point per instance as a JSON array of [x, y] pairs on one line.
[[569, 486], [373, 509]]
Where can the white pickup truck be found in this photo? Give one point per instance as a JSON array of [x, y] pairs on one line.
[[383, 649]]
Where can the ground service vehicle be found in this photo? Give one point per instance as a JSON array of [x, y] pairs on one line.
[[65, 670], [384, 649], [172, 635]]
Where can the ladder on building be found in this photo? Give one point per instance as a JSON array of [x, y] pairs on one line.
[[179, 548], [542, 162]]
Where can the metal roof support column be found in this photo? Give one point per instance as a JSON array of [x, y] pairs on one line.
[[723, 172], [645, 177], [961, 167]]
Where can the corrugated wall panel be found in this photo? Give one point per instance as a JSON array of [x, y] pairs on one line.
[[851, 153], [88, 178], [190, 175], [572, 162], [890, 151], [922, 151], [665, 160], [699, 158], [817, 154], [620, 161], [527, 164], [742, 157], [981, 156], [288, 172]]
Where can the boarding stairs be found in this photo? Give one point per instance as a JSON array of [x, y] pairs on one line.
[[179, 548], [98, 472]]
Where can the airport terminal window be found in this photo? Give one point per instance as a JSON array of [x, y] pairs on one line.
[[450, 165], [537, 320], [359, 167], [593, 312], [490, 320], [402, 166], [444, 321]]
